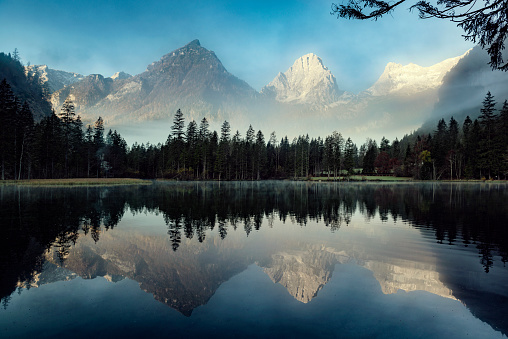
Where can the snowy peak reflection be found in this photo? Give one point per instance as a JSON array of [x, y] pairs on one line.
[[304, 272], [183, 280]]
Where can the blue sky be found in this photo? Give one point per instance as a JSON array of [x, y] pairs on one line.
[[253, 39]]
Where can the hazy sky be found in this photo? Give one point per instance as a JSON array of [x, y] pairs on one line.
[[254, 39]]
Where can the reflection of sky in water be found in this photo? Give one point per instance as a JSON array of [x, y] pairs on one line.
[[369, 263], [248, 305]]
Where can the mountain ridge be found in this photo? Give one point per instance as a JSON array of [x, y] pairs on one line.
[[304, 99]]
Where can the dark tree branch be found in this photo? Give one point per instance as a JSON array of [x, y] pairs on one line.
[[486, 25]]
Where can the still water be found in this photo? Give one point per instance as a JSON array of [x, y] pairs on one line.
[[255, 259]]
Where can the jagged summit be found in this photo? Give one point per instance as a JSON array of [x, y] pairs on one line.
[[188, 56], [308, 81], [194, 42]]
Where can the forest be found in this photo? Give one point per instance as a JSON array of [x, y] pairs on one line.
[[60, 146]]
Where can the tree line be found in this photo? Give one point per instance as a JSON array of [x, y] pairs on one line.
[[59, 146]]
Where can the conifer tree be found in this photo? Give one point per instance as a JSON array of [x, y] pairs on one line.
[[178, 139], [8, 111], [349, 158], [487, 122], [204, 135], [25, 131]]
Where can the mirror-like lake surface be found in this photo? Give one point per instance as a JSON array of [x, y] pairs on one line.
[[255, 259]]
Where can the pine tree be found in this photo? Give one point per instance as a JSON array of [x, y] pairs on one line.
[[98, 142], [453, 155], [260, 153], [8, 111], [203, 141], [177, 148], [249, 151], [487, 120], [349, 158], [25, 130], [222, 160], [192, 146], [502, 139], [67, 115]]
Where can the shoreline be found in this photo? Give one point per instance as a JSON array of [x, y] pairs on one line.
[[78, 182], [133, 181]]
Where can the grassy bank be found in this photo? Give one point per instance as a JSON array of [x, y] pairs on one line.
[[364, 178], [78, 182]]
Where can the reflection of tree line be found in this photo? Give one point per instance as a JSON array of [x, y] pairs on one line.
[[35, 220]]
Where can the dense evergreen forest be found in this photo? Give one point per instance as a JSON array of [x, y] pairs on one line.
[[59, 146]]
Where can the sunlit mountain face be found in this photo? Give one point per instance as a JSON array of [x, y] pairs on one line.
[[305, 99], [187, 244]]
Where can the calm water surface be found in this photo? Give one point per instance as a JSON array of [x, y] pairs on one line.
[[255, 259]]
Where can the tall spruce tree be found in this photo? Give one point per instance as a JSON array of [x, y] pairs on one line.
[[8, 111], [25, 130], [178, 133], [487, 119]]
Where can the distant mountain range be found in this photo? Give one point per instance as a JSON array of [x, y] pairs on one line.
[[304, 99]]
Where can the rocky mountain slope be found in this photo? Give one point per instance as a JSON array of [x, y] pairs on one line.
[[191, 78], [55, 79], [304, 99], [26, 88]]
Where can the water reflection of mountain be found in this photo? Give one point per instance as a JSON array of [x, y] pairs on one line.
[[74, 222], [303, 272], [182, 280]]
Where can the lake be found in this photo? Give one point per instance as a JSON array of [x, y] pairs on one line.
[[255, 259]]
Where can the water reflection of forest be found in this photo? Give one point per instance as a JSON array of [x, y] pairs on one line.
[[35, 220]]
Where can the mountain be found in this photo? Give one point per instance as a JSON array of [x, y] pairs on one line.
[[85, 93], [191, 78], [304, 272], [24, 86], [304, 99], [307, 82], [55, 79], [464, 88], [120, 76], [411, 79]]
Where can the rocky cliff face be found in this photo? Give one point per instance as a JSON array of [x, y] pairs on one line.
[[55, 79], [307, 82], [85, 93]]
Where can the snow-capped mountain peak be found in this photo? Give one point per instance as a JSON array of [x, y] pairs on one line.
[[411, 78], [308, 81]]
